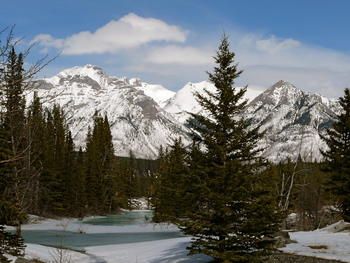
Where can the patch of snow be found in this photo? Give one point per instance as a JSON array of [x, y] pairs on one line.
[[50, 254], [158, 93], [324, 243], [78, 226], [160, 251], [141, 203]]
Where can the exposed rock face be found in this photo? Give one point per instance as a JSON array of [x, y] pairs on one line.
[[292, 121], [144, 116], [138, 123]]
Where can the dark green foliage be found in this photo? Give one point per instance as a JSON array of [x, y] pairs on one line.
[[171, 200], [14, 172], [232, 213], [338, 156], [57, 162], [100, 179]]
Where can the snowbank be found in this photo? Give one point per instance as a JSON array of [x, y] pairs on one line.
[[160, 251], [49, 254], [327, 243]]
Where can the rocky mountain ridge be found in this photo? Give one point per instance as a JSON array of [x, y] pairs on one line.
[[144, 116]]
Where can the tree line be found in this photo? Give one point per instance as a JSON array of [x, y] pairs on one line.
[[42, 173], [219, 189]]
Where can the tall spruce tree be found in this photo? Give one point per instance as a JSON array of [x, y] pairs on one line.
[[35, 156], [100, 179], [14, 124], [338, 156], [236, 217], [13, 152], [171, 201]]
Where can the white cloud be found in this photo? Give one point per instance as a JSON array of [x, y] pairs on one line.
[[163, 53], [265, 60], [274, 45], [130, 31], [180, 55], [47, 41]]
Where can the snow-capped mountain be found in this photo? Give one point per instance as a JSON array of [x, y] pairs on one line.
[[158, 93], [184, 101], [292, 121], [144, 116], [138, 123]]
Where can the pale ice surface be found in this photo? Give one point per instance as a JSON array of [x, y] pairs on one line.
[[75, 225], [332, 242], [158, 251]]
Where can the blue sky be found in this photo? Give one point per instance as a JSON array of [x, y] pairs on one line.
[[171, 42]]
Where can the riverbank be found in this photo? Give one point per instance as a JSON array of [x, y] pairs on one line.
[[121, 238]]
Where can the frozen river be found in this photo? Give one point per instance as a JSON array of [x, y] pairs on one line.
[[141, 230]]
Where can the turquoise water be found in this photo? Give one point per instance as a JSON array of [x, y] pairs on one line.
[[78, 241], [122, 219]]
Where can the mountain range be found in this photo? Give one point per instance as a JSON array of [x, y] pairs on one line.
[[144, 116]]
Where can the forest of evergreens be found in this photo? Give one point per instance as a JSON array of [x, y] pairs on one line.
[[218, 189]]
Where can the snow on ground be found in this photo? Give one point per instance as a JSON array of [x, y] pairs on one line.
[[329, 243], [140, 203], [160, 251], [49, 254]]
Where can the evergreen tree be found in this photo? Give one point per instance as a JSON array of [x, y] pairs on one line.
[[13, 152], [58, 164], [172, 201], [79, 183], [237, 217], [69, 176], [100, 179], [36, 134], [338, 156], [14, 125]]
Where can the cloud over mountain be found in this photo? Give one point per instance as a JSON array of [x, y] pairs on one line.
[[129, 31]]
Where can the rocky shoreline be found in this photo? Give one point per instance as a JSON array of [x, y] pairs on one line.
[[290, 258]]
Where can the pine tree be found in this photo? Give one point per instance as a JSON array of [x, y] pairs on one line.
[[338, 156], [69, 176], [79, 201], [14, 125], [100, 179], [36, 134], [58, 164], [13, 151], [236, 216], [172, 201]]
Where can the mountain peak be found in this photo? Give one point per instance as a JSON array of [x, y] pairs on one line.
[[282, 84], [282, 92], [81, 70], [91, 71]]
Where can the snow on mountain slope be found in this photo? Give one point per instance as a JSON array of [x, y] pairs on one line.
[[292, 121], [158, 93], [144, 116], [184, 100], [137, 122]]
